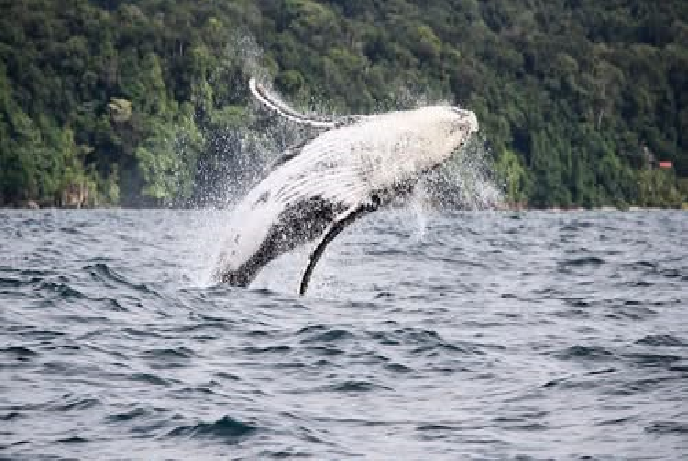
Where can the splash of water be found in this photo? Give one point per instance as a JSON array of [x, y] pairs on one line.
[[466, 181]]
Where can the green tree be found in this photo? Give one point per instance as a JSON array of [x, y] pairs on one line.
[[511, 170]]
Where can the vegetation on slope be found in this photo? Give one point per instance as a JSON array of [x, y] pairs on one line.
[[111, 101]]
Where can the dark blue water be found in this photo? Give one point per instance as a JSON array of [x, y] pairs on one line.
[[437, 336]]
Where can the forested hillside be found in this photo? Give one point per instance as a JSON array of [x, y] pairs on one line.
[[119, 102]]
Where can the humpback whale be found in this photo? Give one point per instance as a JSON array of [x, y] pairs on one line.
[[352, 166]]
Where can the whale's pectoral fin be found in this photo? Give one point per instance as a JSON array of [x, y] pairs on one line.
[[283, 110], [274, 104], [334, 229]]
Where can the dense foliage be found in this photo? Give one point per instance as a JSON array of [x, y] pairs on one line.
[[113, 101]]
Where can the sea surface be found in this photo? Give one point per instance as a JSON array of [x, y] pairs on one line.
[[425, 335]]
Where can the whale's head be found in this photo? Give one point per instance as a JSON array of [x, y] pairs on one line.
[[465, 120], [397, 147], [455, 125], [447, 130]]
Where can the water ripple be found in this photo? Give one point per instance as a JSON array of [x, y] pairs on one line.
[[485, 336], [226, 428]]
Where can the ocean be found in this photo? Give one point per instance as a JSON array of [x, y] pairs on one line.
[[425, 335]]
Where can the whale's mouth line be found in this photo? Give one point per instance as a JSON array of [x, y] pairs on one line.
[[357, 172]]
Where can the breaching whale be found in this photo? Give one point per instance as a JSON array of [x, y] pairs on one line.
[[353, 166]]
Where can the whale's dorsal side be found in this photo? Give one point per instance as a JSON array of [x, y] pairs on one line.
[[297, 224]]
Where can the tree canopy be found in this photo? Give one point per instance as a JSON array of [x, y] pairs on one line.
[[123, 101]]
